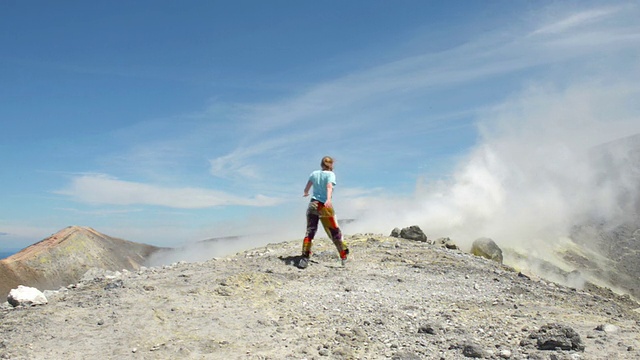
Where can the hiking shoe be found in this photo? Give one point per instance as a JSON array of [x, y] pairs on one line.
[[303, 263], [343, 262]]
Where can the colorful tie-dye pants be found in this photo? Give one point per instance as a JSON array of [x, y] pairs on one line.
[[318, 212]]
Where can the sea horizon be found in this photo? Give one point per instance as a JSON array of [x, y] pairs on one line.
[[5, 253]]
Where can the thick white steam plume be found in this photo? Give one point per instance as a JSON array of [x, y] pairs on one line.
[[538, 170]]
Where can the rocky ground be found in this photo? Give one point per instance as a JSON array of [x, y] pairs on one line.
[[395, 299]]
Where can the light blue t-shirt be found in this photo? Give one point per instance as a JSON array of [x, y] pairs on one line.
[[320, 179]]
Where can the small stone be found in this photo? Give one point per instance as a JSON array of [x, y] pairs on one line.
[[427, 329], [505, 354], [473, 351], [607, 328]]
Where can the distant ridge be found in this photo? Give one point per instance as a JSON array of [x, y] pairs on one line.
[[65, 256]]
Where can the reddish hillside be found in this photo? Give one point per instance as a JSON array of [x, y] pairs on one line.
[[64, 257]]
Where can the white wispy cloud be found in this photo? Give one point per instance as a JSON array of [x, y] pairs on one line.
[[101, 212], [235, 164], [355, 192], [103, 189], [365, 103], [576, 20]]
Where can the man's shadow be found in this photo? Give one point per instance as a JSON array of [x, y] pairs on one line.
[[291, 260]]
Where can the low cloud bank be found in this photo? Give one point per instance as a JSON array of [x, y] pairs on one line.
[[204, 250], [103, 189]]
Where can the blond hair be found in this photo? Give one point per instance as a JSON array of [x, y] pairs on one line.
[[327, 163]]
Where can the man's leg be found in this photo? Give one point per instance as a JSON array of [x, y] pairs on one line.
[[330, 224], [312, 228]]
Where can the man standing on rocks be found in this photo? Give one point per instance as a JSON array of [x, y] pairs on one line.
[[320, 208]]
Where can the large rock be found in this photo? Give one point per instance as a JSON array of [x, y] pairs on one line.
[[554, 337], [26, 296], [487, 248], [413, 233]]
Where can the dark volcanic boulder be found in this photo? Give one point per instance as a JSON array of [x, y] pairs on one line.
[[554, 337], [413, 233]]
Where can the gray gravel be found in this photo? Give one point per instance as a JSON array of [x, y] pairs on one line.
[[395, 299]]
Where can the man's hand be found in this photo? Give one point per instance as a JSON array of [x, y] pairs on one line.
[[328, 204], [305, 194]]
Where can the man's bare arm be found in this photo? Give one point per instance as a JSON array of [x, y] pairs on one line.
[[329, 193], [307, 188]]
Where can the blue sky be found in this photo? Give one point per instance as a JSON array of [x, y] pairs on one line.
[[170, 122]]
